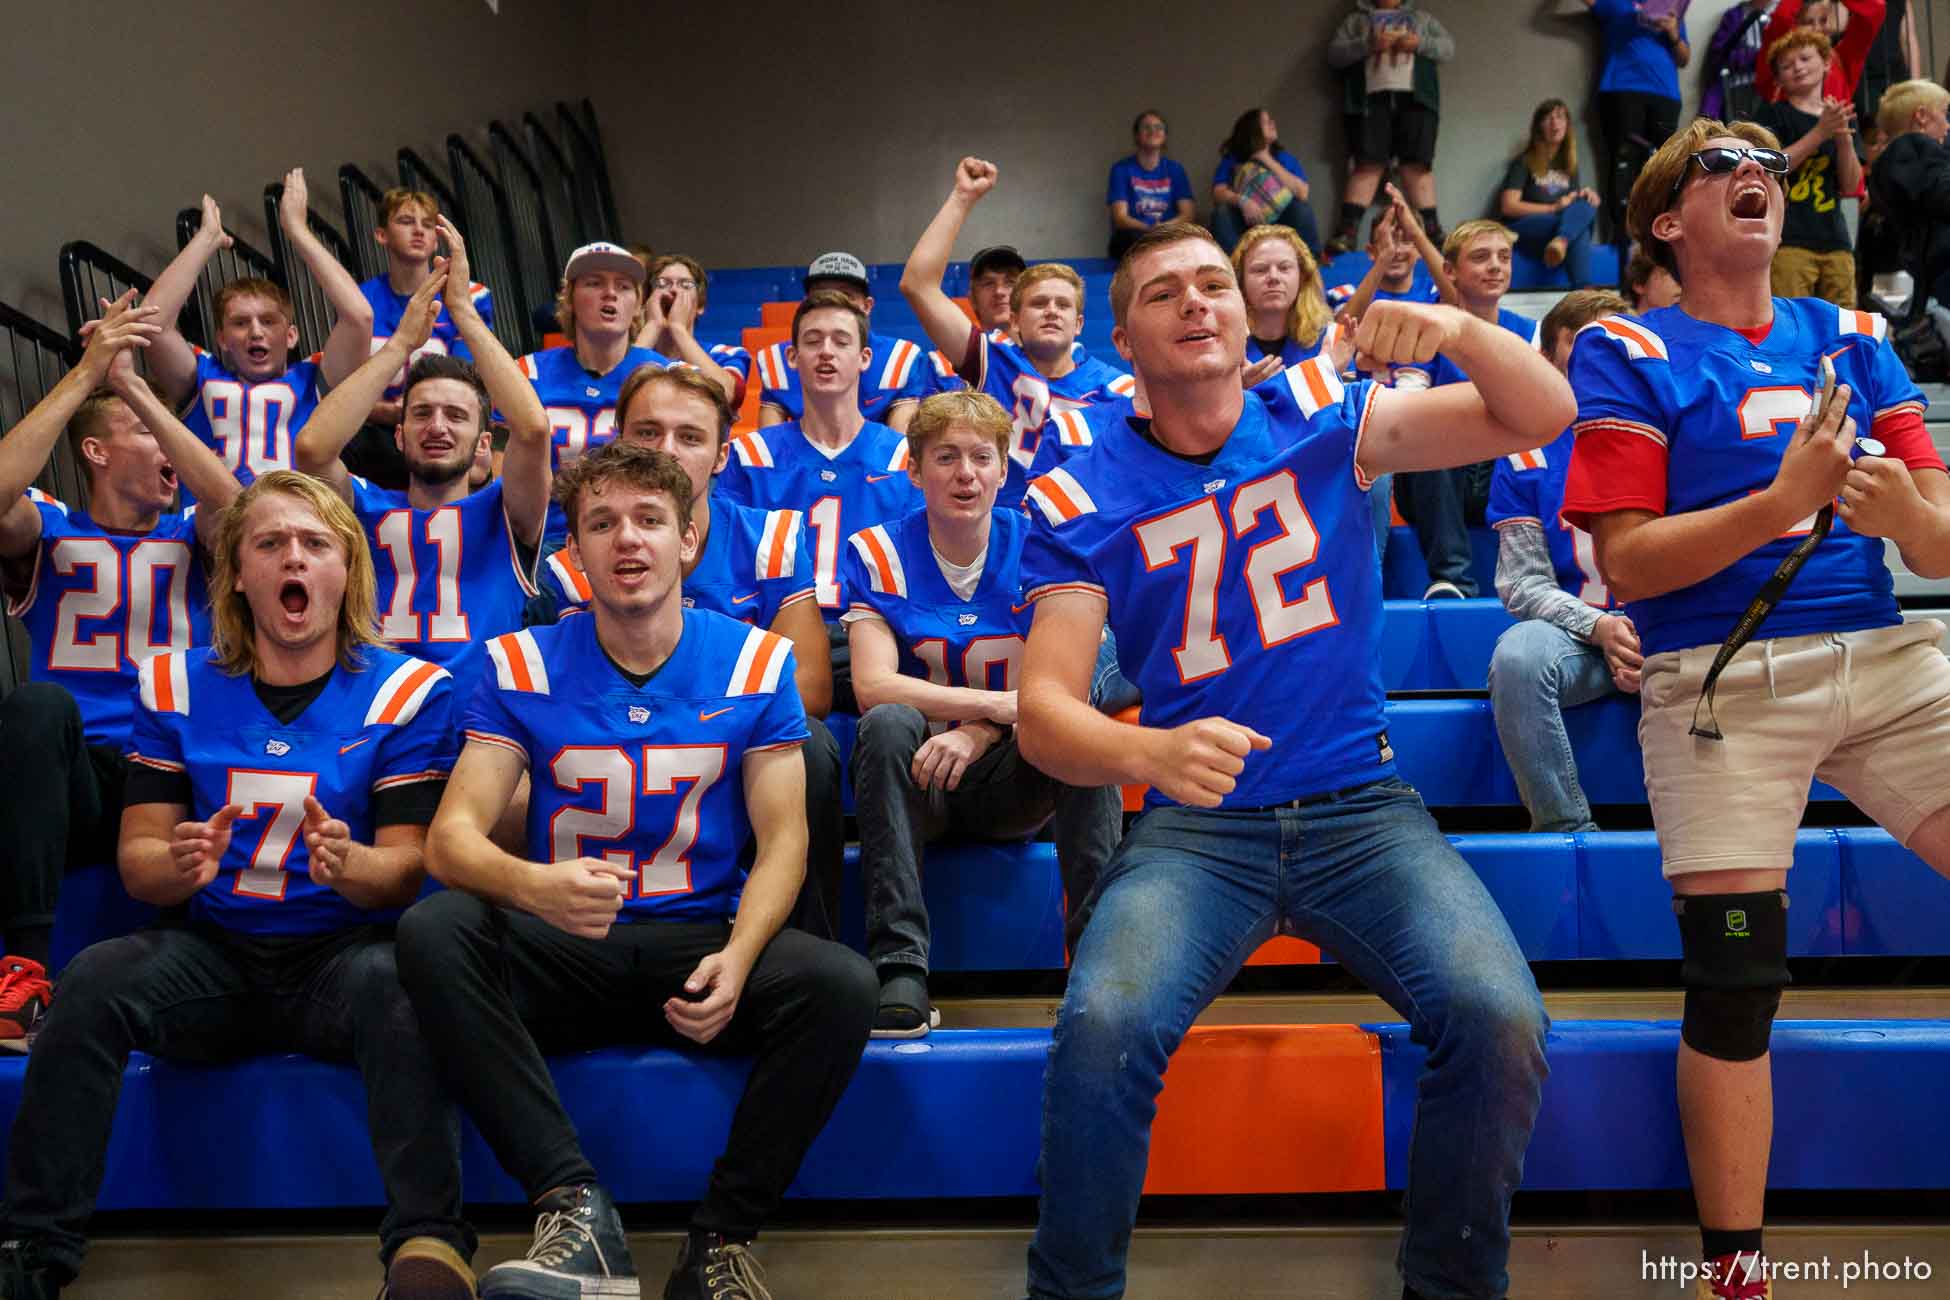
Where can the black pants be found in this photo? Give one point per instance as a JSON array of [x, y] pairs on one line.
[[1634, 125], [818, 909], [203, 994], [1000, 797], [1441, 505], [60, 800], [496, 989]]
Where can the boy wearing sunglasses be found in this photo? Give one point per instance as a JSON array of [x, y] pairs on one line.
[[1717, 461]]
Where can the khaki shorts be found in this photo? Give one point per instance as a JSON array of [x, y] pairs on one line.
[[1804, 273], [1867, 712]]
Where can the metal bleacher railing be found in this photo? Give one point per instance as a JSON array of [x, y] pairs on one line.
[[416, 173], [558, 183], [240, 260], [538, 254], [585, 117], [314, 313], [36, 358], [590, 182], [362, 196], [487, 223], [90, 273]]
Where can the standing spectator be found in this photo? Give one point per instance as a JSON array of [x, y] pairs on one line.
[[1649, 285], [1542, 200], [1895, 55], [1570, 646], [1638, 90], [1731, 56], [1816, 257], [1850, 26], [1259, 183], [1391, 102], [1147, 187]]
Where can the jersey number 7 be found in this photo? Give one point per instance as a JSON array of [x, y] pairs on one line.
[[1201, 530]]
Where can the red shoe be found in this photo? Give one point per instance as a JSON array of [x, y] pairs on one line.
[[24, 994], [1737, 1277]]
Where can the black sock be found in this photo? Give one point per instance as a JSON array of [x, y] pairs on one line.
[[1430, 222], [29, 941], [1351, 219], [1716, 1242]]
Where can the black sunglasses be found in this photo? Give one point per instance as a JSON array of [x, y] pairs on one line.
[[1720, 159]]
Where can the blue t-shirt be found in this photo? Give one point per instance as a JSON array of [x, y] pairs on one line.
[[100, 603], [1150, 195], [1637, 58], [1222, 175], [388, 723], [1528, 488], [1445, 371], [1678, 414], [1245, 588], [389, 307], [650, 777]]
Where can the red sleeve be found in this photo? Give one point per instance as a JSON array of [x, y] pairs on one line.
[[1615, 465], [974, 364], [1777, 27], [1865, 18], [1902, 434]]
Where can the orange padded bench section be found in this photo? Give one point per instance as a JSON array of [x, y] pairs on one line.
[[755, 339], [1270, 1108]]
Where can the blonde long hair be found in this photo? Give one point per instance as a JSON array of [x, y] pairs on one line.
[[1309, 315], [1537, 155], [233, 631]]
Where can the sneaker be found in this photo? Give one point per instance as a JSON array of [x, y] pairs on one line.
[[1342, 242], [579, 1250], [24, 995], [711, 1268], [1444, 591], [905, 1010], [1736, 1277], [24, 1275], [427, 1268]]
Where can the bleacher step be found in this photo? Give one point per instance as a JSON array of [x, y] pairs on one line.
[[1353, 1261]]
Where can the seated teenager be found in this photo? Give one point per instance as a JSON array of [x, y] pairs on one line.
[[98, 591], [409, 232], [674, 301], [888, 393], [1571, 644], [250, 398], [1041, 370], [936, 620], [276, 807], [1543, 202], [1146, 187], [665, 844], [1258, 182], [1649, 285]]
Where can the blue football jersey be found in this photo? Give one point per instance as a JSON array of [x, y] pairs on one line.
[[1421, 288], [1004, 372], [890, 570], [100, 603], [1444, 371], [1244, 589], [389, 307], [1073, 429], [448, 579], [389, 723], [1528, 488], [250, 425], [581, 405], [754, 564], [898, 371], [1678, 414], [648, 777], [739, 362], [778, 467]]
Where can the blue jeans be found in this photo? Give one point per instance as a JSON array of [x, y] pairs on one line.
[[1441, 505], [1185, 900], [1573, 225], [1537, 671], [1229, 224], [1381, 497]]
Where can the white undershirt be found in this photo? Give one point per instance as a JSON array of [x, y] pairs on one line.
[[961, 578]]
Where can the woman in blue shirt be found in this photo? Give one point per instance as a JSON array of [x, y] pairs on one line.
[[1638, 90], [1147, 187], [1254, 148]]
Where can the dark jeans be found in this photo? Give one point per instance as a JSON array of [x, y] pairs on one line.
[[1001, 797], [497, 988], [1572, 225], [1633, 125], [203, 994], [1187, 898], [1441, 504], [60, 800], [1229, 224], [818, 909], [842, 653]]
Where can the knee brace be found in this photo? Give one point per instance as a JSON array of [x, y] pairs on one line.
[[1735, 949]]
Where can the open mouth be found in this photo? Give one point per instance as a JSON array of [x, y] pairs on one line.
[[629, 570], [1198, 336], [168, 476], [295, 599], [1749, 202]]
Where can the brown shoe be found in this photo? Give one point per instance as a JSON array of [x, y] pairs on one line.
[[427, 1268]]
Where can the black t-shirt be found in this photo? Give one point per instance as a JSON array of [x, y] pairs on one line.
[[1548, 188], [1814, 207]]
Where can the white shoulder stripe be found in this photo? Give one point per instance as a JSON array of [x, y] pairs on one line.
[[399, 697], [164, 683], [518, 663], [881, 560], [1060, 497], [760, 661]]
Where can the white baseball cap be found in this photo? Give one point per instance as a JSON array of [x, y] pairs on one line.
[[839, 266], [601, 256]]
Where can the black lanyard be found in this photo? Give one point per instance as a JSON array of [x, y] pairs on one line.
[[1761, 606]]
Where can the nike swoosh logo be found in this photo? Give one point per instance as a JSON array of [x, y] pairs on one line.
[[347, 749], [1021, 609], [1838, 351], [715, 713], [739, 600], [875, 478]]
